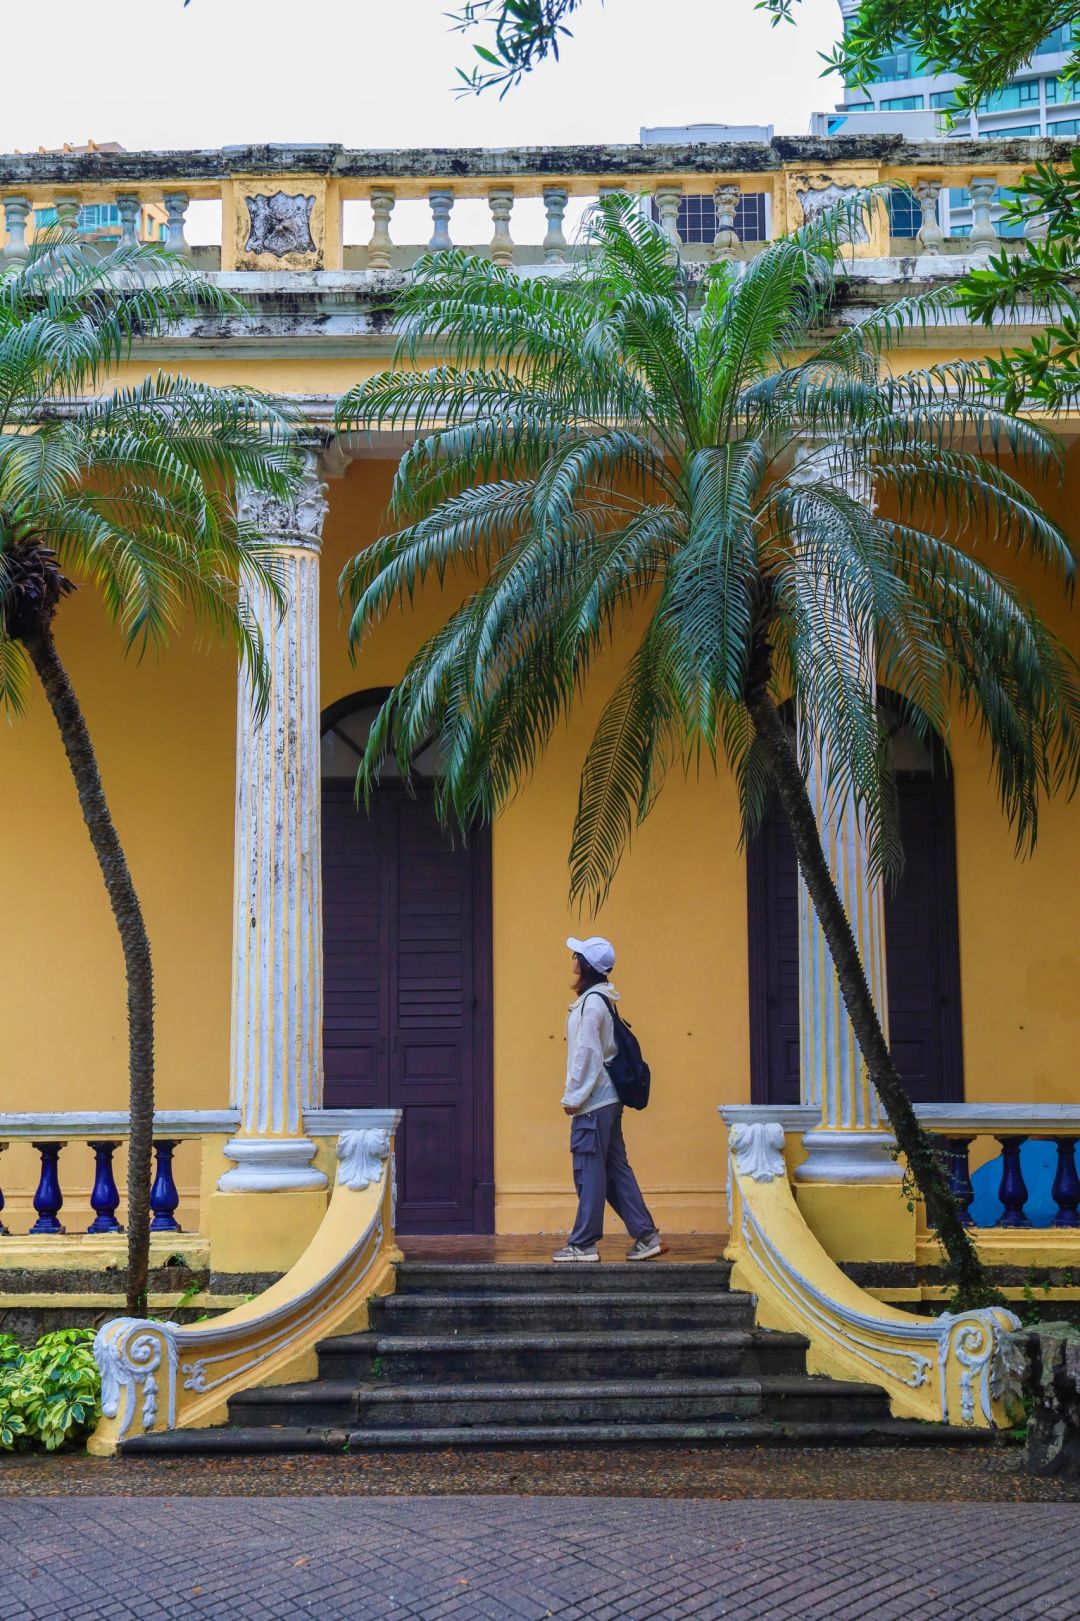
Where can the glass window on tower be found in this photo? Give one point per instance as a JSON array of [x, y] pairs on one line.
[[905, 214], [900, 104]]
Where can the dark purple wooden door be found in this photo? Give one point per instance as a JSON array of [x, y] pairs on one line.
[[921, 950], [407, 1001]]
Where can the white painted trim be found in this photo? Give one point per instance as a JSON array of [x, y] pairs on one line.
[[82, 1124], [332, 1122], [982, 1118], [794, 1117]]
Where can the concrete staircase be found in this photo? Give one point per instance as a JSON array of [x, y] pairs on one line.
[[468, 1354]]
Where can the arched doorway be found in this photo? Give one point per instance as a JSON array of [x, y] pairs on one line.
[[921, 936], [408, 1009]]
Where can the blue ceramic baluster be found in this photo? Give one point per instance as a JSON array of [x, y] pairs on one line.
[[48, 1199], [959, 1175], [1066, 1189], [104, 1197], [1012, 1190], [163, 1195], [3, 1229]]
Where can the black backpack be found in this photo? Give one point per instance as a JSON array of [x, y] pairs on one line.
[[630, 1074]]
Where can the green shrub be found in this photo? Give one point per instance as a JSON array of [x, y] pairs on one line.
[[49, 1394]]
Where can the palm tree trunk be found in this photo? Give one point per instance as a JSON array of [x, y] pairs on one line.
[[971, 1285], [136, 947]]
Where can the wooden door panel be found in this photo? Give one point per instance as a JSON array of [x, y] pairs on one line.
[[407, 998], [354, 925]]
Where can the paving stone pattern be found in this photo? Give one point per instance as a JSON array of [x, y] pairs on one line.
[[381, 1559]]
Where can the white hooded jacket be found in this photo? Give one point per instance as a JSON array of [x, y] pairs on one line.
[[590, 1045]]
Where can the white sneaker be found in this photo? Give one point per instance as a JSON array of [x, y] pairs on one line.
[[577, 1252], [645, 1248]]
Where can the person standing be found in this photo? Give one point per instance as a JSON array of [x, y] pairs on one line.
[[602, 1171]]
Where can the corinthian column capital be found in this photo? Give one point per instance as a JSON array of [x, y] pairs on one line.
[[296, 523]]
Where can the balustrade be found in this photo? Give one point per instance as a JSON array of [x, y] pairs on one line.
[[1009, 1127], [56, 1138], [283, 208], [59, 1139]]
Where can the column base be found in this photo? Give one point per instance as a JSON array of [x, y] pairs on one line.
[[853, 1222], [270, 1165], [849, 1156], [250, 1233]]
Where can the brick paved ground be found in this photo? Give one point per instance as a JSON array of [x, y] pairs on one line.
[[528, 1558]]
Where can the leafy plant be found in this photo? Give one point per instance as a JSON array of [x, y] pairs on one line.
[[49, 1394], [132, 494], [749, 507]]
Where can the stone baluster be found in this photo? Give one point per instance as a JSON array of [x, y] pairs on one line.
[[983, 230], [1012, 1189], [555, 209], [164, 1197], [441, 201], [668, 203], [1035, 228], [48, 1199], [1066, 1189], [16, 216], [176, 205], [380, 247], [277, 936], [128, 204], [501, 202], [726, 239], [930, 236], [104, 1195], [67, 211], [959, 1174]]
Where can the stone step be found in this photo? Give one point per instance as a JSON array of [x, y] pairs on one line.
[[631, 1354], [560, 1312], [340, 1403], [313, 1404], [544, 1277], [251, 1442], [623, 1401]]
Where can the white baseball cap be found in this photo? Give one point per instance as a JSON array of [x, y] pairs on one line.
[[596, 951]]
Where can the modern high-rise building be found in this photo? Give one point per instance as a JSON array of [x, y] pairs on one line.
[[1037, 102]]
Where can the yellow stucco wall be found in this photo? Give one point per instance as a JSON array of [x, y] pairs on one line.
[[164, 733]]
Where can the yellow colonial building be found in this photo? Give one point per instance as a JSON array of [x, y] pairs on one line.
[[313, 960]]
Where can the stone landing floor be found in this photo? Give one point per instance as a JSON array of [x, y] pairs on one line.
[[524, 1559]]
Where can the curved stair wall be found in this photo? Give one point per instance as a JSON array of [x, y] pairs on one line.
[[162, 1376], [947, 1369]]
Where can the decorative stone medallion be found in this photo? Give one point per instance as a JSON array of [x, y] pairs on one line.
[[815, 199], [280, 224]]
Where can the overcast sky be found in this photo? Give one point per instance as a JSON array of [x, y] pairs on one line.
[[149, 73]]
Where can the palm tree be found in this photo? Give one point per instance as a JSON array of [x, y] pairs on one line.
[[132, 492], [631, 457]]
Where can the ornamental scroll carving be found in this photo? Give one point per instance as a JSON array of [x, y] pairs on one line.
[[759, 1150], [360, 1157], [298, 522], [280, 224]]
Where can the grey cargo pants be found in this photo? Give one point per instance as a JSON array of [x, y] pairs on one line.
[[602, 1172]]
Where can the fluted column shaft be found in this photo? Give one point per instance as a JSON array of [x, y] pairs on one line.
[[277, 932], [850, 1144]]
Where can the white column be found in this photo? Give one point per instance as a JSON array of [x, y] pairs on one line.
[[278, 935], [851, 1144]]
